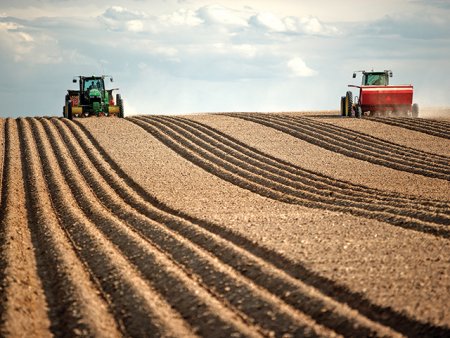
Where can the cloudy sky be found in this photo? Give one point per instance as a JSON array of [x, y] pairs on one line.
[[182, 56]]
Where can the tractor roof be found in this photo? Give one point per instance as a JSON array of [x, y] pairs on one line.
[[93, 77]]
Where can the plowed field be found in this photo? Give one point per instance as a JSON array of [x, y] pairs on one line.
[[225, 225]]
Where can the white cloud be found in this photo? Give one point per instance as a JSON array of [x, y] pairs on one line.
[[269, 21], [118, 18], [123, 14], [306, 25], [181, 17], [245, 50], [215, 14], [309, 25], [9, 26], [135, 26], [299, 68]]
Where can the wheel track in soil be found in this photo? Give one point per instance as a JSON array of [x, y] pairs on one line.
[[269, 317], [372, 143], [426, 126], [356, 145], [292, 172], [162, 297], [72, 297], [243, 255], [383, 146], [189, 256], [241, 173], [17, 262]]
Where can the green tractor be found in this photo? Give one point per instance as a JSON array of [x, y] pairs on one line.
[[92, 99]]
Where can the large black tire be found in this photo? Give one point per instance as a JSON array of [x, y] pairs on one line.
[[348, 103], [119, 102], [342, 105], [66, 105], [415, 110], [69, 111]]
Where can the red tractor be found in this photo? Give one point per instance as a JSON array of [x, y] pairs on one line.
[[377, 97]]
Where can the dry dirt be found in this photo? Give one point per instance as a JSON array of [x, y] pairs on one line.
[[219, 225]]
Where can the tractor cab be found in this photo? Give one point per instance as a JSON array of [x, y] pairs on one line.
[[90, 83], [375, 78], [91, 88]]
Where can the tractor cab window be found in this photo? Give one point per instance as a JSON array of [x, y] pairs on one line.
[[375, 79], [88, 85], [91, 84]]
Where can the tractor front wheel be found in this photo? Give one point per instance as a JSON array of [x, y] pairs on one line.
[[348, 103]]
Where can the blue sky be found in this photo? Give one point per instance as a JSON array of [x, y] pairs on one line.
[[183, 56]]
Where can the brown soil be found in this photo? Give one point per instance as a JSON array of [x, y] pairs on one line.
[[225, 225]]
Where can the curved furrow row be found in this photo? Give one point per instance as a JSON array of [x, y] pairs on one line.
[[134, 303], [251, 179], [371, 142], [351, 149], [21, 313], [72, 296], [295, 293], [322, 299], [430, 127], [242, 297], [231, 287], [240, 291], [172, 281], [295, 176], [367, 144]]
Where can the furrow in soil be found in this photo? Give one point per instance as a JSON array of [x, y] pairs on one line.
[[23, 307], [356, 141], [145, 231], [372, 143], [256, 304], [349, 148], [249, 179], [75, 306], [206, 234], [435, 128], [138, 309], [298, 178]]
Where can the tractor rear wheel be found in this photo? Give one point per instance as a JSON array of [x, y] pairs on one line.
[[65, 106], [342, 105], [348, 103], [415, 110], [119, 102]]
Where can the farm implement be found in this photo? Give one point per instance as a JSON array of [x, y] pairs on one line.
[[378, 98], [92, 99]]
